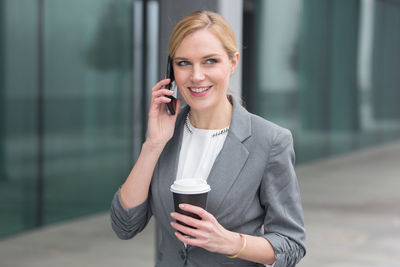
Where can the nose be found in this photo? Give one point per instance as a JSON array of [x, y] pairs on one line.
[[197, 74]]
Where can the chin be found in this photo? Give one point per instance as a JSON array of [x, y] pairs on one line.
[[201, 106]]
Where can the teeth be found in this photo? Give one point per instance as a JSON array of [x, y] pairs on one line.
[[199, 90]]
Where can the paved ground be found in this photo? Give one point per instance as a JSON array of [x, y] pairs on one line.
[[351, 207]]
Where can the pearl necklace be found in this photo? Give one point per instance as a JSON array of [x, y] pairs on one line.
[[217, 133]]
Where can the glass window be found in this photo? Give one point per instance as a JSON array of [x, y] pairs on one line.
[[87, 107], [18, 115], [71, 100], [327, 70]]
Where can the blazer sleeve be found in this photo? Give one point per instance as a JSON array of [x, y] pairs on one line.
[[280, 195], [127, 223]]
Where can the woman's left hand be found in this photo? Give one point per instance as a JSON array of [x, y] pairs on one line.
[[209, 234]]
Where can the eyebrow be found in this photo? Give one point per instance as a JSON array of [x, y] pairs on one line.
[[207, 56]]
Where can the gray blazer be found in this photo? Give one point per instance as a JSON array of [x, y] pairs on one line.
[[254, 190]]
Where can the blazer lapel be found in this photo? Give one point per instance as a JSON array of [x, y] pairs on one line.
[[225, 171], [230, 160]]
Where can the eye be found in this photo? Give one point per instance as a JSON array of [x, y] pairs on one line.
[[182, 63], [211, 61]]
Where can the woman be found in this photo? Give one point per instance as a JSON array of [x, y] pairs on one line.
[[254, 214]]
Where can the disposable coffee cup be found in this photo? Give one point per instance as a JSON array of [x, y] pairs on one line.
[[190, 191]]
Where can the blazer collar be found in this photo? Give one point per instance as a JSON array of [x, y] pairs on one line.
[[240, 123]]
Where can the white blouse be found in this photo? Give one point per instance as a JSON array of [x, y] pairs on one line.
[[200, 148]]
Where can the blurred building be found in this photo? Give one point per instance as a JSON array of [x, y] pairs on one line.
[[75, 78]]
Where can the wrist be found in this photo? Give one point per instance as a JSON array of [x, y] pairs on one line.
[[152, 147], [239, 247], [235, 244]]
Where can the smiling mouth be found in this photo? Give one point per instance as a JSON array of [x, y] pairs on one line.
[[199, 89]]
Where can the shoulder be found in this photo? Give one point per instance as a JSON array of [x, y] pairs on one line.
[[253, 129], [267, 132]]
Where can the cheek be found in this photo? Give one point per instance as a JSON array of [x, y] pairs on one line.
[[223, 75], [179, 78]]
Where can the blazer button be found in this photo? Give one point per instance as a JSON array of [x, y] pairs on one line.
[[182, 254]]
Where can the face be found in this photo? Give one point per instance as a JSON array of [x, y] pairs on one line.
[[202, 70]]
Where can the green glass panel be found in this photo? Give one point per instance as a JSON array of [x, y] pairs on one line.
[[386, 78], [88, 87], [18, 115], [328, 71]]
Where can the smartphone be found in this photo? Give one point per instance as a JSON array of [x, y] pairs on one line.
[[171, 86]]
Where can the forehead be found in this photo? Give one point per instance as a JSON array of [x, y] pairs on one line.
[[199, 44]]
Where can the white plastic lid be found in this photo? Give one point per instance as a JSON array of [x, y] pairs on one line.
[[190, 186]]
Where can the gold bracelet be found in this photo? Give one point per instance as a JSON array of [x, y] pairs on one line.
[[242, 249]]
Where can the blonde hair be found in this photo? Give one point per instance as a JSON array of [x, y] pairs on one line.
[[200, 20]]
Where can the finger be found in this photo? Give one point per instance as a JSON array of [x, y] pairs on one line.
[[197, 210], [186, 219], [185, 239], [185, 229], [161, 84], [161, 92], [161, 99], [189, 240]]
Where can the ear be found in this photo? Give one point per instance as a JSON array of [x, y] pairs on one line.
[[234, 62]]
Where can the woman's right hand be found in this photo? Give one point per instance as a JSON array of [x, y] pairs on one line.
[[160, 128], [161, 125]]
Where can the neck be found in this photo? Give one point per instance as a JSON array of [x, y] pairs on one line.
[[212, 119]]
